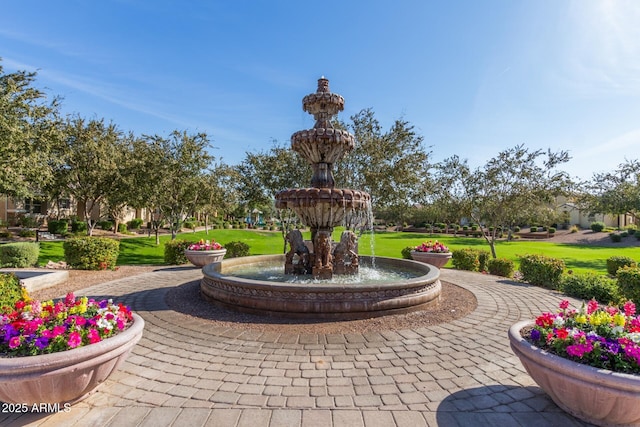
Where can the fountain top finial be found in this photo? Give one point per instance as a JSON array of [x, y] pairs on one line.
[[323, 84]]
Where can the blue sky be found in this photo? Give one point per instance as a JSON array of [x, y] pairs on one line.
[[473, 77]]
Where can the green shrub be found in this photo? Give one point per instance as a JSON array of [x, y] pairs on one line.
[[501, 267], [516, 229], [534, 229], [122, 228], [597, 226], [174, 252], [135, 224], [552, 230], [91, 253], [6, 234], [406, 252], [27, 222], [483, 259], [615, 237], [58, 227], [465, 259], [11, 291], [616, 262], [190, 224], [78, 226], [629, 282], [590, 285], [19, 255], [624, 234], [27, 232], [541, 270], [105, 225], [236, 249]]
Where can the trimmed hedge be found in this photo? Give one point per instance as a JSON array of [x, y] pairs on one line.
[[616, 262], [470, 259], [501, 267], [135, 223], [406, 252], [591, 285], [629, 282], [91, 253], [11, 291], [58, 227], [236, 249], [597, 226], [541, 270], [174, 252], [19, 255]]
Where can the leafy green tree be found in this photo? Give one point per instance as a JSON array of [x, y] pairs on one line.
[[30, 128], [93, 153], [516, 186], [391, 166], [615, 193], [172, 172]]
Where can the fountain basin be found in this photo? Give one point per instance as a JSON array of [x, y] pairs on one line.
[[321, 299]]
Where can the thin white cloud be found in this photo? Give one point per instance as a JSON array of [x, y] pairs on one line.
[[601, 52]]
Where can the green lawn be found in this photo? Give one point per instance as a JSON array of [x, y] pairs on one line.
[[143, 250]]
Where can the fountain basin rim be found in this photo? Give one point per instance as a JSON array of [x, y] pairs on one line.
[[425, 273]]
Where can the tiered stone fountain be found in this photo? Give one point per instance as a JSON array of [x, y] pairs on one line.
[[322, 279], [322, 207]]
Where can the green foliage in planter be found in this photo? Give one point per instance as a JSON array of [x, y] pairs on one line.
[[534, 229], [135, 224], [615, 237], [629, 282], [552, 230], [58, 227], [501, 267], [236, 249], [11, 291], [26, 232], [174, 252], [516, 229], [91, 253], [597, 226], [590, 285], [19, 255], [541, 270], [614, 263], [406, 252]]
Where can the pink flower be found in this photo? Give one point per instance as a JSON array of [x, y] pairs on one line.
[[58, 330], [75, 339], [592, 306], [70, 299], [564, 304], [14, 342], [629, 308], [94, 336]]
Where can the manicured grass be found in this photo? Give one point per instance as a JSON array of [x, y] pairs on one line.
[[579, 258]]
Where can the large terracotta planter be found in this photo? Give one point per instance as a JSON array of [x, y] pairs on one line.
[[598, 396], [67, 376], [438, 260], [202, 258]]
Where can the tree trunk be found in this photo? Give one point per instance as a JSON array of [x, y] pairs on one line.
[[157, 236]]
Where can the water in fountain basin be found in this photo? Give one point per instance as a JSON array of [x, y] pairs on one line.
[[274, 273]]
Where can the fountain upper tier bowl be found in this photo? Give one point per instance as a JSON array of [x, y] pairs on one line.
[[321, 299], [323, 207]]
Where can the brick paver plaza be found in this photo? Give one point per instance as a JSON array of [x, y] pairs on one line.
[[187, 371]]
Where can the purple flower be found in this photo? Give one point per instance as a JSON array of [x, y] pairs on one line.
[[535, 334], [103, 304], [42, 343]]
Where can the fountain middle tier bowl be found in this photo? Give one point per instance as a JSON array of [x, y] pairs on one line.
[[320, 145], [410, 286], [324, 207]]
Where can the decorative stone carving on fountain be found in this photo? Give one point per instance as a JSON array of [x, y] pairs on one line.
[[345, 254], [322, 206], [297, 260]]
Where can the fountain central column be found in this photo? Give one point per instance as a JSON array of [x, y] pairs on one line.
[[322, 206]]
